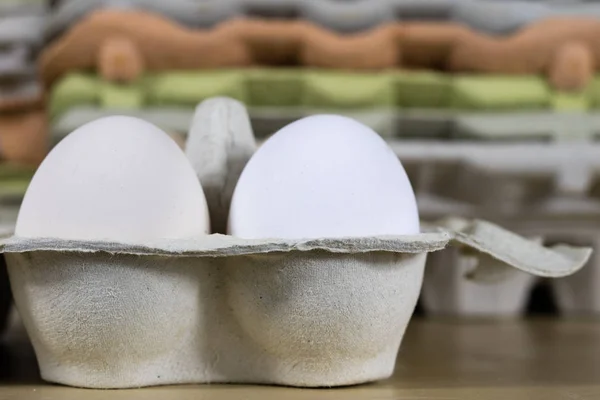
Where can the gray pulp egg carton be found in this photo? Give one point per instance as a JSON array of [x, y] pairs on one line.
[[200, 14], [341, 16], [347, 16], [6, 300], [545, 190], [9, 209], [23, 7], [21, 36], [506, 17], [422, 9], [306, 312], [272, 8], [406, 124], [488, 16], [265, 120], [496, 17]]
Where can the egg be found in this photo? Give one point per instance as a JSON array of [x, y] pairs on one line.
[[114, 179], [323, 176]]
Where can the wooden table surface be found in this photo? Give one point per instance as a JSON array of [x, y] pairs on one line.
[[441, 360]]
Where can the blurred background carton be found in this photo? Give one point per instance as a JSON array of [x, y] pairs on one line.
[[492, 106]]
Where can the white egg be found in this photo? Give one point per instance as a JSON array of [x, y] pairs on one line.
[[323, 176], [117, 179]]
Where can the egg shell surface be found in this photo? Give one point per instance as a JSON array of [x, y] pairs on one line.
[[114, 179], [323, 176]]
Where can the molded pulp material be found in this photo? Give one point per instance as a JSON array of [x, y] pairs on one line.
[[310, 313]]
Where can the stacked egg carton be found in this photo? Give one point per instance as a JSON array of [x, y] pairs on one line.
[[22, 120], [416, 94], [445, 126], [535, 171], [191, 13], [542, 190]]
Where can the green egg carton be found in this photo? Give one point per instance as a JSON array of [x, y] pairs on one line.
[[22, 7], [275, 87], [76, 89], [14, 180], [404, 104], [346, 90], [422, 89], [500, 93], [186, 89]]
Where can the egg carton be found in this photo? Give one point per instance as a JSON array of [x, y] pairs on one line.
[[412, 125], [446, 292], [347, 17], [191, 13], [265, 121], [23, 126], [422, 10], [573, 221], [443, 125], [504, 183], [404, 104], [215, 308], [21, 36], [273, 8], [22, 7], [23, 134], [22, 29], [510, 176], [553, 196], [340, 16], [5, 297], [15, 62], [13, 183], [512, 187], [20, 94], [424, 46], [511, 16], [246, 42], [579, 295], [571, 218]]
